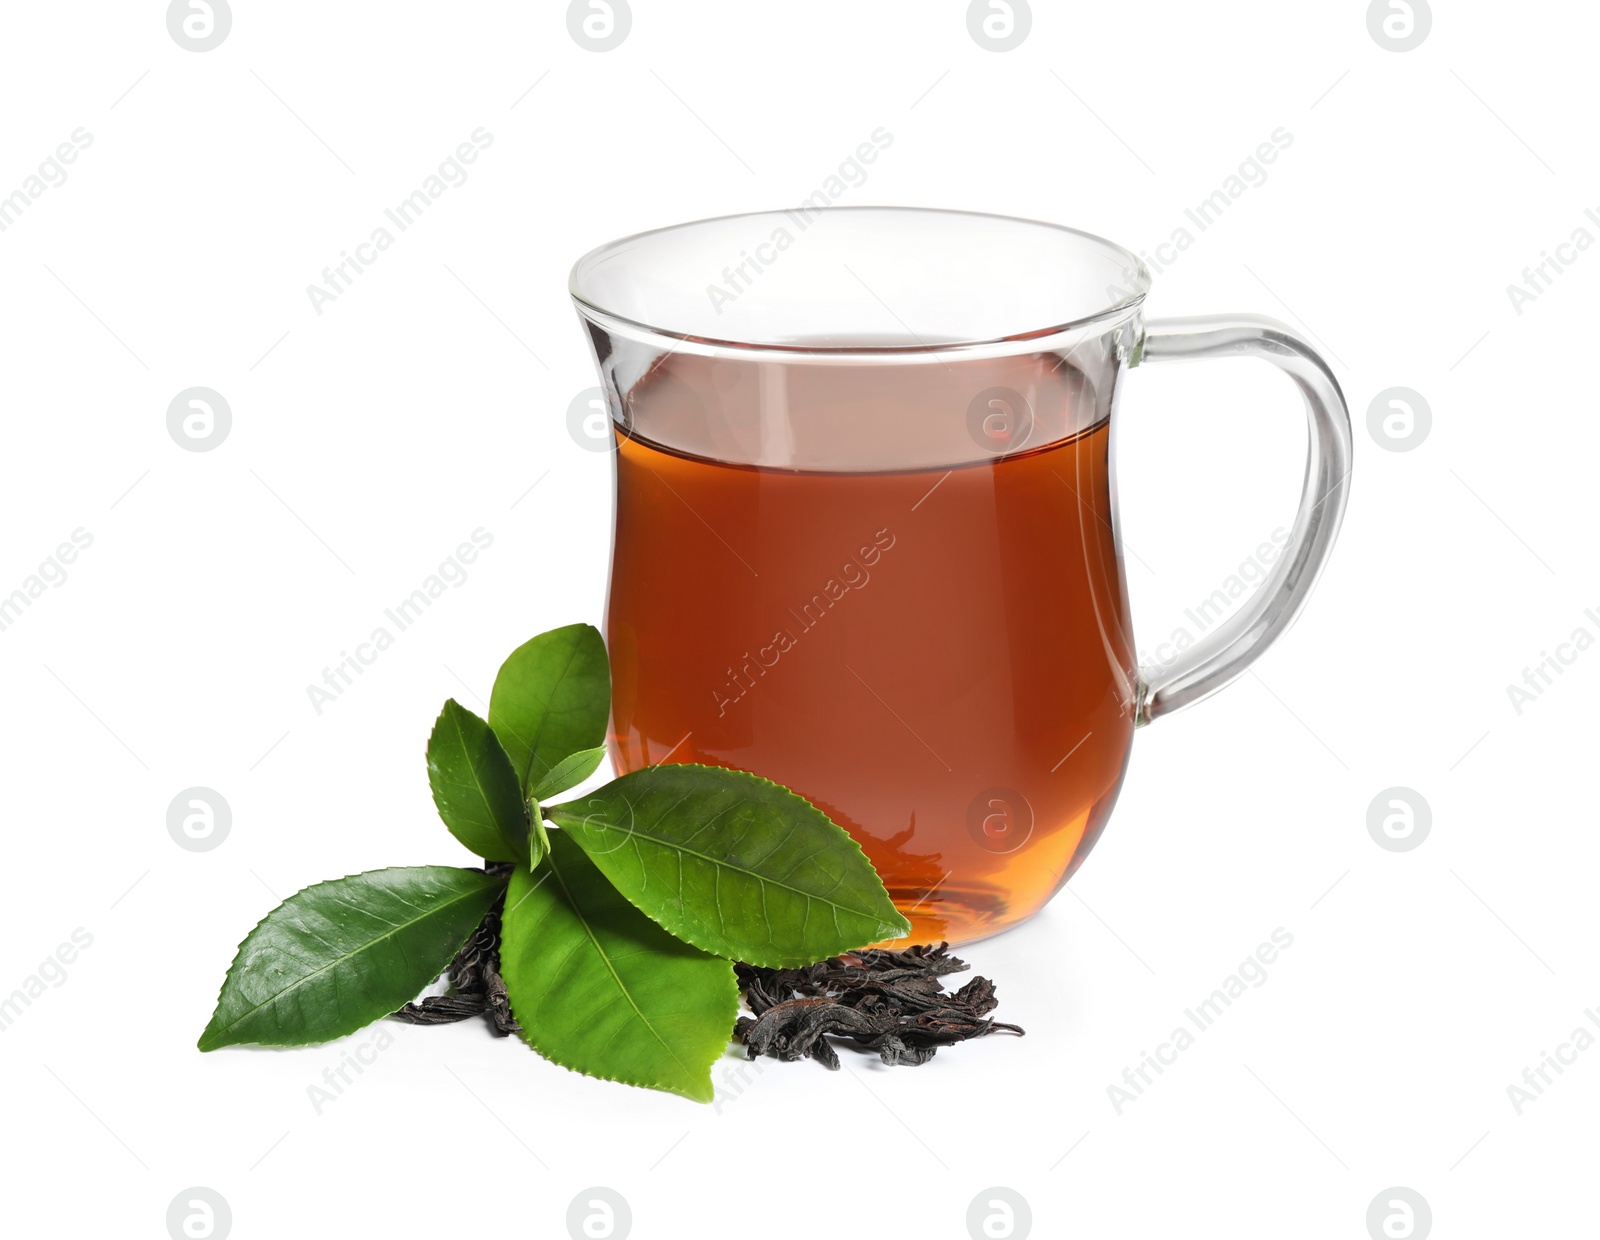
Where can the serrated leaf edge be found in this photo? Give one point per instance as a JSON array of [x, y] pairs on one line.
[[433, 793], [540, 793], [732, 1016], [770, 962], [525, 777], [239, 953]]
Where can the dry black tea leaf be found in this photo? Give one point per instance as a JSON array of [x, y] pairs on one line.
[[892, 1002]]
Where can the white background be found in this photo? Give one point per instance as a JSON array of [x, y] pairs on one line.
[[370, 440]]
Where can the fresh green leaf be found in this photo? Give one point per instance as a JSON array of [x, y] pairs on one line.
[[733, 863], [475, 787], [600, 988], [570, 772], [552, 697], [342, 954]]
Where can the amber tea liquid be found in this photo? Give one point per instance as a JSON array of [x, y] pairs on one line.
[[938, 657]]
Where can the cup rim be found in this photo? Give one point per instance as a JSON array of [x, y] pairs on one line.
[[591, 309]]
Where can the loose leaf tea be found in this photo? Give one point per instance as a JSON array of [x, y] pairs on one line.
[[600, 988], [733, 863], [609, 940], [888, 1001], [475, 786], [341, 954]]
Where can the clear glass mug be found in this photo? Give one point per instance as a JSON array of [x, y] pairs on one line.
[[865, 538]]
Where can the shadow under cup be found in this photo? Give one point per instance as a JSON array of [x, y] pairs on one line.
[[865, 532]]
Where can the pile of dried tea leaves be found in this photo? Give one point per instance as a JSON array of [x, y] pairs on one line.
[[892, 1002]]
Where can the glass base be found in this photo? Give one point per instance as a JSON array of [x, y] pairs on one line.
[[954, 915]]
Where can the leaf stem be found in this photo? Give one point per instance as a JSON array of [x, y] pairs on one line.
[[536, 819]]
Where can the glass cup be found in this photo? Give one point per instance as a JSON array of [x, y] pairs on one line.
[[865, 538]]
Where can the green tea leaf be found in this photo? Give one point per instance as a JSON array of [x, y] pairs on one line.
[[552, 697], [475, 787], [570, 772], [600, 988], [342, 954], [733, 863]]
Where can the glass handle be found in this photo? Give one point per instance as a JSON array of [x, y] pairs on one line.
[[1213, 662]]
